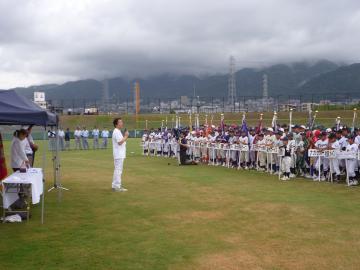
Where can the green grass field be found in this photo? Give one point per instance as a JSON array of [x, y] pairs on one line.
[[196, 217]]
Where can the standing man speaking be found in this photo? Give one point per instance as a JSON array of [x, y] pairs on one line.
[[119, 152]]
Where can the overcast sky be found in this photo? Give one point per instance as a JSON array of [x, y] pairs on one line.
[[55, 41]]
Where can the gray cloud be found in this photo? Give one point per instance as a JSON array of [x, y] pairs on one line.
[[53, 41]]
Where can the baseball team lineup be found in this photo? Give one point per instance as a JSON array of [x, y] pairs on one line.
[[288, 150]]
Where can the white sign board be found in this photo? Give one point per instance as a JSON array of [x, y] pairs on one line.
[[330, 153], [315, 153], [273, 150], [244, 148], [346, 155]]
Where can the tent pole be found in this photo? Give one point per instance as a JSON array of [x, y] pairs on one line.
[[57, 171], [43, 171]]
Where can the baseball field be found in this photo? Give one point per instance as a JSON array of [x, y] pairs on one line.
[[172, 217]]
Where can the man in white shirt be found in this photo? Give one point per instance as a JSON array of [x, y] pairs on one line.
[[119, 153], [270, 140], [352, 163], [322, 144], [145, 143], [342, 139], [261, 144], [84, 137], [278, 143], [357, 138], [334, 162], [77, 136], [104, 136], [357, 141], [252, 156], [95, 134], [244, 145], [61, 135]]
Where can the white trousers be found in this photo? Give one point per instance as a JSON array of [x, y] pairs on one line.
[[244, 156], [286, 164], [334, 165], [118, 169], [324, 162], [351, 165]]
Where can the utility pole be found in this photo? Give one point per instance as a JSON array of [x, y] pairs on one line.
[[137, 101], [231, 82]]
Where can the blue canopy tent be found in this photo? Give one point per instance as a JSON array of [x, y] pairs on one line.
[[18, 110]]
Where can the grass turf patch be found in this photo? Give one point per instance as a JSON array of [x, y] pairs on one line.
[[194, 217]]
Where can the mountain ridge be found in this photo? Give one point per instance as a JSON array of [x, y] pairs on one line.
[[283, 79]]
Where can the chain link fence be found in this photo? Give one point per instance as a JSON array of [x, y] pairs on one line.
[[198, 104]]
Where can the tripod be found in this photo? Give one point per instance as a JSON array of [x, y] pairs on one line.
[[54, 145]]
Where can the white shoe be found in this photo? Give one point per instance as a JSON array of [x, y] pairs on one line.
[[119, 189], [353, 183], [322, 178], [285, 178], [246, 168], [308, 176], [292, 175]]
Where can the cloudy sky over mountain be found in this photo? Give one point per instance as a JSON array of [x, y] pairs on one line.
[[55, 41]]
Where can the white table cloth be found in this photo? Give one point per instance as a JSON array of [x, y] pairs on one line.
[[33, 176]]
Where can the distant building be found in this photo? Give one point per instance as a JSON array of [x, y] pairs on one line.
[[287, 107], [184, 100], [325, 102], [39, 99], [308, 106], [91, 111]]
